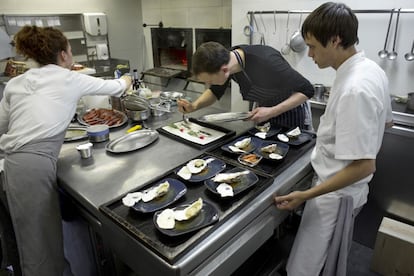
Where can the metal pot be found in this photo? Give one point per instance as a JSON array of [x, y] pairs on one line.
[[320, 90], [135, 103], [410, 101], [138, 115]]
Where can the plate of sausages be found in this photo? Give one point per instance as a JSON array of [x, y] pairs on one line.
[[103, 116]]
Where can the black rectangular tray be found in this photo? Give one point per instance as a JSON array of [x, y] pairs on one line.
[[266, 167], [228, 133], [141, 226]]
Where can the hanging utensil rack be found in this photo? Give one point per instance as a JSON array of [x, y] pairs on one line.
[[273, 12]]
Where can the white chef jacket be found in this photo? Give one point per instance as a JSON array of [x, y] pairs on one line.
[[41, 102], [351, 128]]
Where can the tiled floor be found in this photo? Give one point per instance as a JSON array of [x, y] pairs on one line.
[[270, 259]]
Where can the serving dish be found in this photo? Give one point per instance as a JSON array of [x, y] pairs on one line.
[[249, 159], [176, 190], [224, 117], [208, 215], [132, 141], [195, 133], [113, 118]]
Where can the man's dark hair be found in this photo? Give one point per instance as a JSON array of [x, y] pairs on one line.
[[330, 20], [209, 57]]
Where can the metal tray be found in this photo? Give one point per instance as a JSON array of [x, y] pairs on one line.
[[132, 141], [224, 117]]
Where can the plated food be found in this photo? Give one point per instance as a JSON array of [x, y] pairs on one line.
[[185, 218], [273, 150], [103, 116], [243, 144], [200, 169], [232, 182], [294, 137], [156, 197], [265, 131], [193, 132]]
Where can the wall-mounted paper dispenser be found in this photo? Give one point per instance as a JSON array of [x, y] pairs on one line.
[[102, 51], [95, 23]]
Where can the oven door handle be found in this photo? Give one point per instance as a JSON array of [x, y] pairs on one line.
[[401, 130]]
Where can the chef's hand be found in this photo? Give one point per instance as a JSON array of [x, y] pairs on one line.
[[290, 201], [185, 106], [260, 114]]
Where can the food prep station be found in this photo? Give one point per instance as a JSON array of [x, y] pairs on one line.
[[97, 184]]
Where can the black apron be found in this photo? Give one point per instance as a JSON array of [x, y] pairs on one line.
[[32, 196], [266, 97]]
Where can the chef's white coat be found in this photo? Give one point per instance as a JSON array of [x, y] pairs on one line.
[[41, 110], [351, 128]]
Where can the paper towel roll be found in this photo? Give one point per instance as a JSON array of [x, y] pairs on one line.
[[102, 51]]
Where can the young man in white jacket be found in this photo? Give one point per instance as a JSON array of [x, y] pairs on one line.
[[348, 138]]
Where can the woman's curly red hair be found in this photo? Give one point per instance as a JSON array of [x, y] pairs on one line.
[[43, 44]]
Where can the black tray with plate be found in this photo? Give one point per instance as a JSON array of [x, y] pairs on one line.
[[212, 168], [175, 192], [265, 166], [208, 215], [140, 226], [242, 184], [273, 131], [206, 135], [254, 143]]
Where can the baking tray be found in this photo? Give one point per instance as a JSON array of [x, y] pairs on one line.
[[266, 167], [141, 226], [227, 134]]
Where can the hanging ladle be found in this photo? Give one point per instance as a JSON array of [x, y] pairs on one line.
[[410, 56], [393, 55], [383, 53], [286, 48]]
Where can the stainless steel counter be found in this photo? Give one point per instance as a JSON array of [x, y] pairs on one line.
[[92, 183]]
